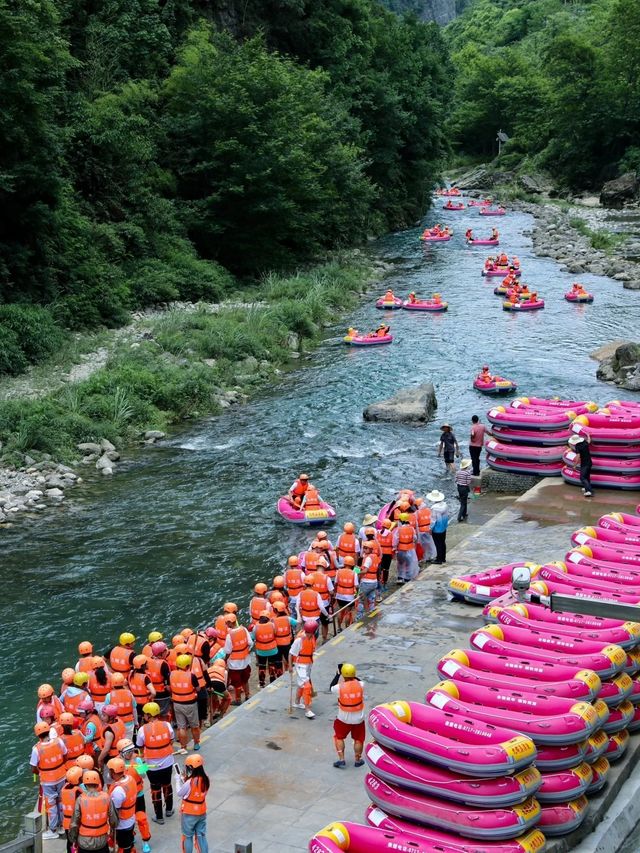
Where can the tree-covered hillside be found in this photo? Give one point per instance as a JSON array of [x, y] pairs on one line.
[[151, 151], [561, 78]]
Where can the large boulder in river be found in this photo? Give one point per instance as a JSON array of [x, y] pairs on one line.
[[479, 178], [616, 193], [410, 405], [622, 368]]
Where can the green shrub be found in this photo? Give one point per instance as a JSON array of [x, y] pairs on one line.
[[12, 358], [37, 332]]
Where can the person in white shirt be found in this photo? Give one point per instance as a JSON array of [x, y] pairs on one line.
[[350, 718]]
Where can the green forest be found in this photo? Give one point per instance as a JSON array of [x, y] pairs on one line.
[[161, 150]]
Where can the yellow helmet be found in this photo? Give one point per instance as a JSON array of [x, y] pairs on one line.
[[80, 679], [127, 638], [348, 670], [154, 636], [151, 708], [183, 661]]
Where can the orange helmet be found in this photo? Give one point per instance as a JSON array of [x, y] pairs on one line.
[[91, 777], [117, 678], [41, 729], [321, 535], [98, 662], [45, 691], [260, 588], [278, 582], [368, 544], [67, 675], [309, 579], [116, 765], [66, 719], [276, 596], [279, 606], [370, 531], [74, 775], [85, 762], [349, 527], [293, 560], [403, 504], [349, 561], [230, 607], [186, 633], [315, 544], [139, 661], [85, 648], [323, 545], [387, 523], [418, 501], [194, 761], [231, 619], [265, 614], [182, 649], [177, 639]]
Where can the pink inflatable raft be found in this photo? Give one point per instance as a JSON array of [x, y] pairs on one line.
[[572, 585], [607, 534], [433, 305], [326, 514], [547, 720], [621, 521], [499, 272], [617, 746], [551, 759], [532, 419], [563, 818], [497, 385], [480, 241], [492, 211], [607, 662], [435, 238], [565, 785], [608, 419], [367, 340], [616, 690], [600, 770], [469, 821], [531, 437], [532, 842], [596, 747], [440, 782], [613, 529], [389, 304], [466, 745], [557, 403], [522, 453], [628, 556], [518, 307], [605, 465], [580, 621], [619, 718], [481, 587], [521, 466], [546, 673], [453, 206], [634, 725], [474, 202], [578, 297], [607, 435], [581, 687]]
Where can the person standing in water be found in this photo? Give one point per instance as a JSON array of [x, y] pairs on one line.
[[448, 447]]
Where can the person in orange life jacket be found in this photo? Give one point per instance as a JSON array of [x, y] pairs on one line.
[[99, 683], [302, 652], [155, 736], [176, 640], [48, 762], [298, 489], [219, 696], [68, 795], [136, 769], [94, 816], [293, 581], [330, 558], [220, 624], [350, 718], [277, 586], [310, 602], [265, 647], [313, 557], [346, 586], [158, 670], [368, 521], [368, 575], [193, 788], [237, 648], [311, 499], [71, 737], [404, 542], [384, 537], [125, 702], [91, 726], [48, 699], [48, 715], [199, 646], [323, 585], [199, 669], [120, 657], [323, 536], [113, 730], [285, 625], [258, 603], [184, 695], [422, 522], [154, 637], [85, 661], [382, 331], [348, 544], [141, 683], [67, 678], [124, 793]]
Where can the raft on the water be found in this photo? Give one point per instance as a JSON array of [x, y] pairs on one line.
[[496, 385], [435, 238], [523, 306], [367, 340], [450, 206], [492, 211], [324, 514], [573, 296], [500, 272], [389, 304], [433, 305]]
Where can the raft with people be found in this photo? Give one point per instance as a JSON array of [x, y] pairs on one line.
[[578, 294], [389, 302], [314, 516], [485, 210], [492, 384], [436, 234], [519, 303], [435, 304], [501, 267], [452, 192], [474, 202], [450, 205], [377, 337], [492, 240]]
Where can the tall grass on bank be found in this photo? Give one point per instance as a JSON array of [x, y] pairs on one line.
[[185, 365]]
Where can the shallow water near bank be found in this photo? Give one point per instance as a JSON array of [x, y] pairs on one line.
[[188, 525]]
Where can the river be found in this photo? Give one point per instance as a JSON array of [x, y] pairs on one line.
[[187, 525]]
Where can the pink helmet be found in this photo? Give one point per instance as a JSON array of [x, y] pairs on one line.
[[310, 626], [87, 705], [159, 648], [47, 712], [211, 632], [110, 710]]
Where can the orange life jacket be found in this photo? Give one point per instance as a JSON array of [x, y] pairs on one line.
[[75, 747], [195, 644], [147, 651], [94, 814], [139, 686], [72, 703], [128, 808], [284, 635], [182, 689], [197, 669], [56, 704], [154, 671], [423, 519], [119, 731], [97, 691], [299, 488], [308, 604], [385, 540], [293, 581], [330, 557], [406, 537], [132, 772], [321, 585], [124, 702], [120, 659], [351, 696], [371, 571], [312, 498], [239, 643], [158, 742], [221, 626], [265, 637], [312, 561], [307, 648], [257, 605], [51, 761], [85, 664], [345, 582], [218, 671], [346, 546], [68, 803], [195, 803]]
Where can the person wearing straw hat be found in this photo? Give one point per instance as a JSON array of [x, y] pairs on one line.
[[368, 521], [463, 482], [439, 525], [448, 447], [580, 446]]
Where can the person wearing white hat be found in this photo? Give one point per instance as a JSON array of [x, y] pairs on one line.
[[463, 482], [368, 521], [580, 446], [439, 525]]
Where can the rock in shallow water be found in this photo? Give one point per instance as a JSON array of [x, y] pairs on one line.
[[410, 405]]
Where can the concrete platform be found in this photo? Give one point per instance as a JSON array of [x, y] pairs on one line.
[[273, 783]]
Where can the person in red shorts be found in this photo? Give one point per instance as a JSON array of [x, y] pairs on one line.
[[350, 719]]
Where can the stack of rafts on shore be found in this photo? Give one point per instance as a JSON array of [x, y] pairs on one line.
[[531, 437], [507, 749]]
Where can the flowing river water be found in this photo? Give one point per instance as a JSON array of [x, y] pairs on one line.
[[185, 526]]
